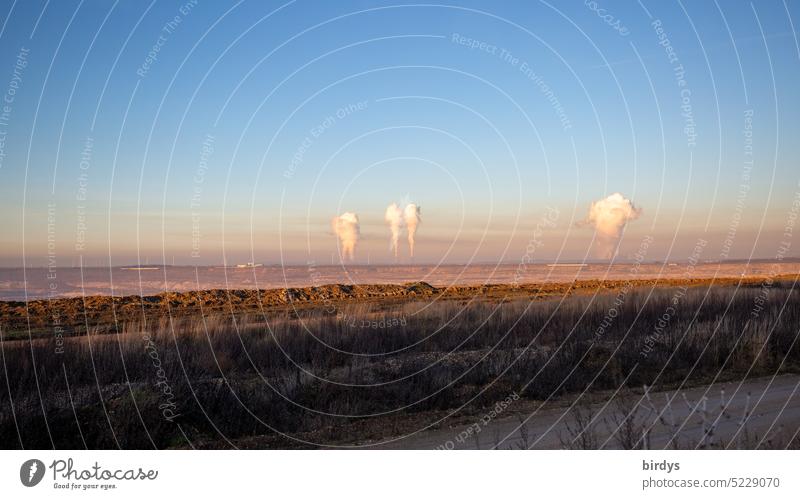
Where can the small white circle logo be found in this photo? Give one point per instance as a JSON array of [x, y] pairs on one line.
[[31, 472]]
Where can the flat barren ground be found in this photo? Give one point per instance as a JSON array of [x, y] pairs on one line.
[[32, 283]]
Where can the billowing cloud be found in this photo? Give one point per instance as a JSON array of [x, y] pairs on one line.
[[412, 220], [609, 216], [348, 230], [394, 218], [402, 218]]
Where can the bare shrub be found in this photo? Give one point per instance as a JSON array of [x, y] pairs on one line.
[[581, 431]]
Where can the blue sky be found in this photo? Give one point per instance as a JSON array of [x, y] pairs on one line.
[[486, 114]]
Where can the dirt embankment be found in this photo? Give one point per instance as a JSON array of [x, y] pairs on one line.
[[74, 314]]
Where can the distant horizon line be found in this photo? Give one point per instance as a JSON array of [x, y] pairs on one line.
[[257, 265]]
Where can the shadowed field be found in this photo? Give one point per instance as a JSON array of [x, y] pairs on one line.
[[354, 373]]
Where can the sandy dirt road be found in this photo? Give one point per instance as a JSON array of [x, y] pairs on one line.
[[772, 406]]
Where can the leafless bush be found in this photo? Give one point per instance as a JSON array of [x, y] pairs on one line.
[[627, 423], [581, 431]]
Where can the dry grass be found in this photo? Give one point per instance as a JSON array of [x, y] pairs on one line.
[[231, 377]]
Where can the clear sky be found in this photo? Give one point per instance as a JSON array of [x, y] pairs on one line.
[[197, 130]]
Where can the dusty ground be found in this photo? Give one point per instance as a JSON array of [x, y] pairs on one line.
[[769, 402]]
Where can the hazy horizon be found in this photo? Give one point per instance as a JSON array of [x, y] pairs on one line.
[[243, 265]]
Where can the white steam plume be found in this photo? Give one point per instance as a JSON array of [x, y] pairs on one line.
[[412, 220], [608, 216], [348, 229], [394, 217]]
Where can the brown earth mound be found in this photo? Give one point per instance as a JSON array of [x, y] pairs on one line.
[[74, 315]]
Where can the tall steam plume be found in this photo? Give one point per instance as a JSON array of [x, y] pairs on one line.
[[609, 216], [348, 229], [412, 219], [394, 217]]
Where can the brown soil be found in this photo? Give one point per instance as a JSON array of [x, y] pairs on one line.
[[40, 317]]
